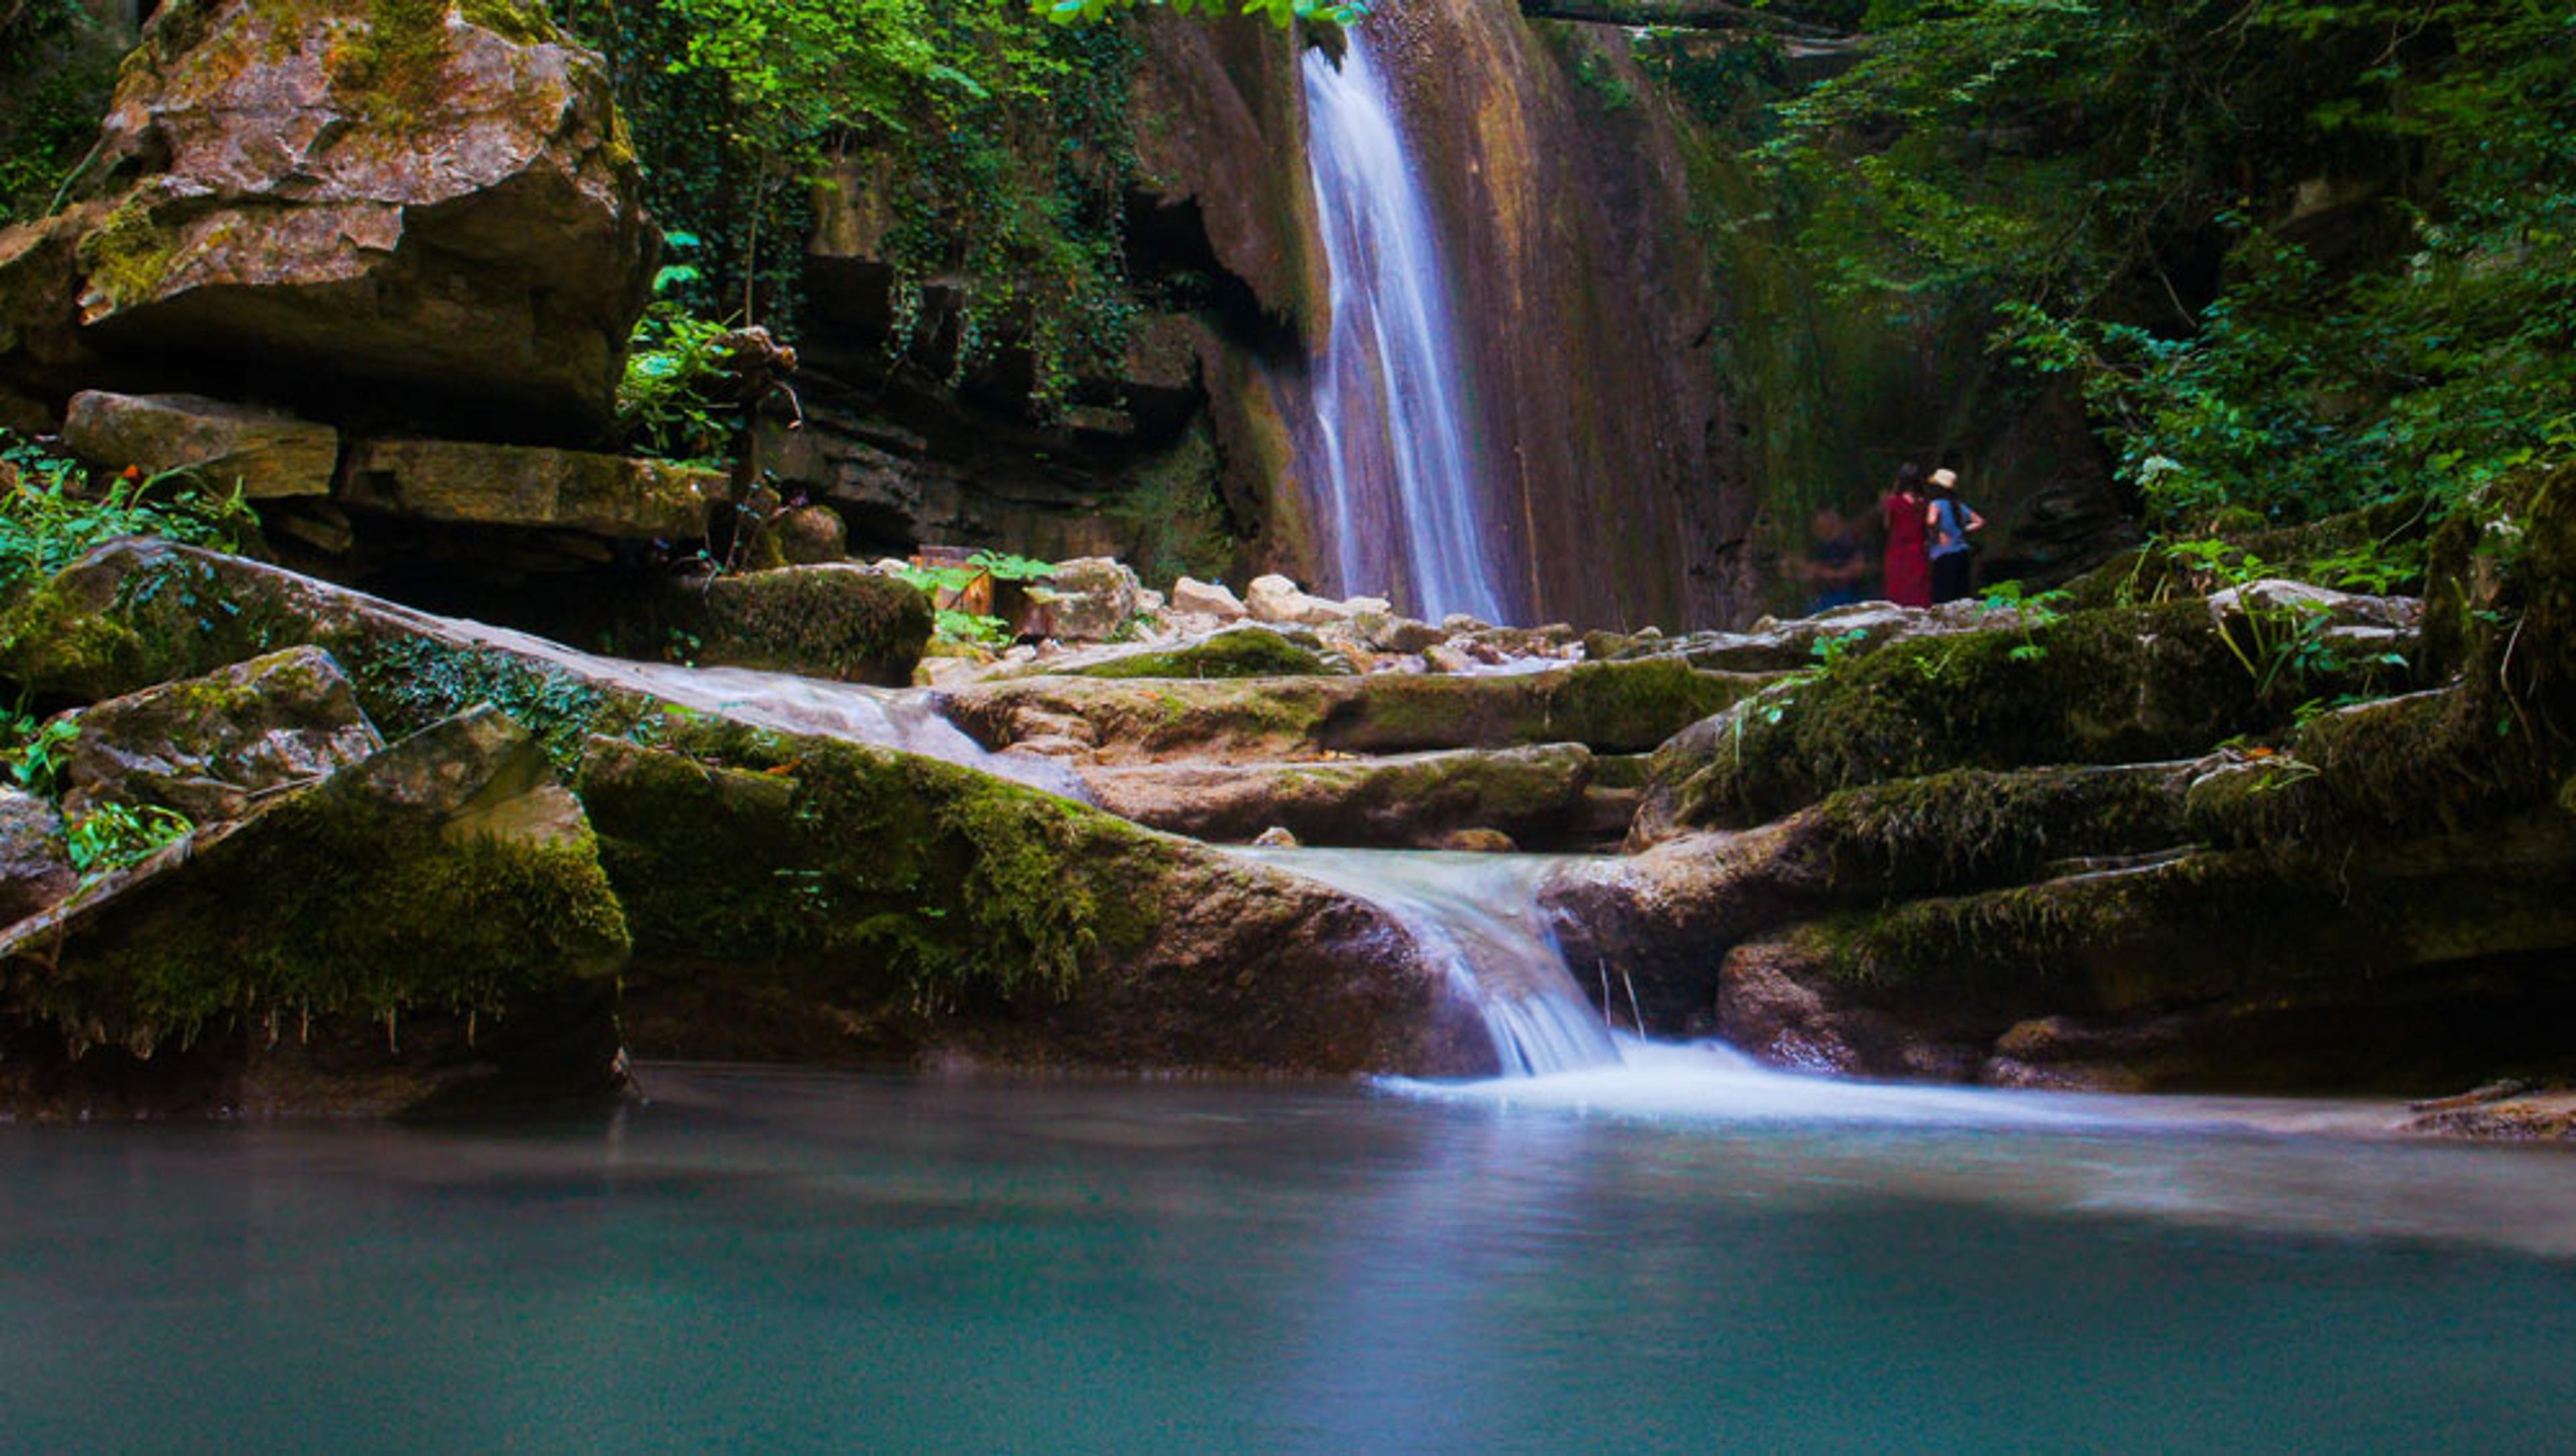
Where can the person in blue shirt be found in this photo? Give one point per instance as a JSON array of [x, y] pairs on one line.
[[1947, 524]]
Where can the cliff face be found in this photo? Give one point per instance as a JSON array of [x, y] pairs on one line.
[[1613, 493], [1615, 483]]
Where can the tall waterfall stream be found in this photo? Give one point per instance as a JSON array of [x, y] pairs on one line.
[[1400, 473]]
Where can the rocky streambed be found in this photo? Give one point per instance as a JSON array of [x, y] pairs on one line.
[[2091, 847]]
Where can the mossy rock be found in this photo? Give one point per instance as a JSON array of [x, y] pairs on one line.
[[208, 747], [448, 876], [818, 900], [137, 613], [832, 621], [1242, 653], [1665, 918], [2145, 575], [1533, 795], [2114, 686]]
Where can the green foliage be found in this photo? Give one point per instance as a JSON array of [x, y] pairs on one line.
[[34, 751], [1279, 12], [993, 147], [670, 403], [2301, 257], [952, 579], [409, 683], [54, 105], [50, 517], [114, 836]]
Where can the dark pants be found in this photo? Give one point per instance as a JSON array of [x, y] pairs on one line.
[[1950, 575]]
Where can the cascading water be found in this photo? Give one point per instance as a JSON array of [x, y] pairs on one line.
[[1399, 472], [1477, 916]]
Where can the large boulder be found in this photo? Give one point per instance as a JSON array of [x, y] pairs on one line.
[[412, 201], [431, 919], [266, 453], [1086, 600], [211, 746], [802, 898]]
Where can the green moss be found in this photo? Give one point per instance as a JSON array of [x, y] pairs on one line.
[[512, 20], [406, 683], [825, 621], [877, 875], [359, 911], [1968, 827], [400, 64], [1242, 653], [127, 255], [2109, 686], [51, 640]]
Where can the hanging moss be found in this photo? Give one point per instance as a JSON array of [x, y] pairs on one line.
[[359, 902], [1971, 827]]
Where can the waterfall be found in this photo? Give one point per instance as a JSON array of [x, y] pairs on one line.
[[1399, 475], [1477, 917]]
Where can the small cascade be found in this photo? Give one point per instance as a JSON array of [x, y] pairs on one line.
[[1478, 916], [1399, 473]]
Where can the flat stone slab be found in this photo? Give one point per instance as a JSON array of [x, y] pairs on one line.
[[270, 455], [514, 485]]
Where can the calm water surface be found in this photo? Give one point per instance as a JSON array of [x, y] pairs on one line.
[[777, 1259]]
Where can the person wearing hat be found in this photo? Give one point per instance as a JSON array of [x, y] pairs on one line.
[[1947, 522]]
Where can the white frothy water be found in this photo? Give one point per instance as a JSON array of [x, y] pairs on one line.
[[1399, 474], [1479, 917]]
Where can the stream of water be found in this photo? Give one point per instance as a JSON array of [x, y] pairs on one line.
[[1400, 470]]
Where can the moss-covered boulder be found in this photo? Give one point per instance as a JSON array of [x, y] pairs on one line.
[[2112, 686], [806, 899], [2215, 969], [1666, 918], [358, 199], [1536, 796], [836, 621], [208, 747], [1619, 707], [432, 917]]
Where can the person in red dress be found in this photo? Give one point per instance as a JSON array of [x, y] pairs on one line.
[[1909, 569]]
